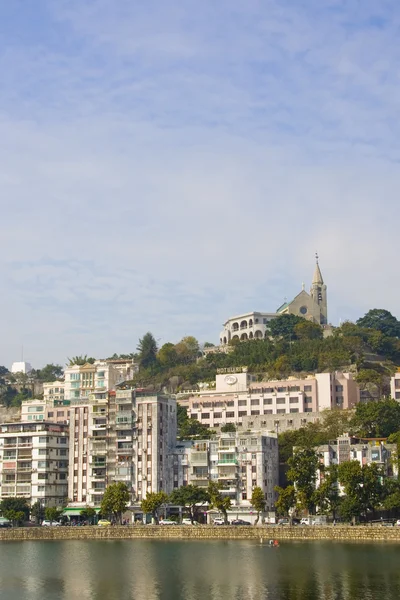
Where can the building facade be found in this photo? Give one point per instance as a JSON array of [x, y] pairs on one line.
[[238, 462], [395, 386], [121, 435], [364, 450], [83, 380], [237, 397], [34, 462]]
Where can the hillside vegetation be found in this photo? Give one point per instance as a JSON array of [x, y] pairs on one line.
[[370, 348]]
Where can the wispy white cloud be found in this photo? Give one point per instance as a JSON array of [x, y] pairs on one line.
[[163, 167]]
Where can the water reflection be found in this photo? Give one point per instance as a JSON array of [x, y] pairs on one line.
[[156, 570]]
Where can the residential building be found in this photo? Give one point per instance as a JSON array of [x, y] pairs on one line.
[[312, 306], [54, 394], [237, 461], [42, 410], [34, 462], [395, 386], [83, 380], [121, 435], [365, 450], [237, 396]]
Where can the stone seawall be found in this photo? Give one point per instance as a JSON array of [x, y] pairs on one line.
[[340, 533]]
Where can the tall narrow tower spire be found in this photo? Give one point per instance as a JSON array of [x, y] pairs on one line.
[[317, 279]]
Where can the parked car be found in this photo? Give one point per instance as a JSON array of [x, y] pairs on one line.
[[306, 521], [188, 522], [50, 523], [5, 522], [387, 524], [398, 523], [166, 522], [104, 523], [219, 521], [284, 522], [240, 522]]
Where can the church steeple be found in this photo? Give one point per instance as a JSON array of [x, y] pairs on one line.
[[319, 296], [317, 279]]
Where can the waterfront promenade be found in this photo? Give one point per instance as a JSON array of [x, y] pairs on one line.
[[264, 533]]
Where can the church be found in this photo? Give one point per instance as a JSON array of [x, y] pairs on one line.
[[253, 325]]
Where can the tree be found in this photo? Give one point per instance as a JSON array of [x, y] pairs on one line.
[[191, 497], [191, 428], [52, 513], [327, 496], [381, 320], [369, 376], [37, 512], [284, 326], [187, 349], [3, 371], [15, 516], [153, 502], [88, 513], [228, 428], [147, 349], [218, 500], [49, 373], [115, 500], [362, 487], [15, 504], [258, 502], [302, 472], [306, 330], [376, 419], [167, 355], [286, 500], [80, 360]]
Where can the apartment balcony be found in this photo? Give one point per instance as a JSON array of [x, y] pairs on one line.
[[227, 449], [199, 481], [228, 461], [99, 427], [229, 490], [24, 456]]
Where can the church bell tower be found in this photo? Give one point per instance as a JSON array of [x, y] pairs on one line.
[[319, 296]]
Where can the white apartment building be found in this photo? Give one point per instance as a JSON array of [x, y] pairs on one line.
[[34, 462], [237, 461], [41, 410], [21, 367], [83, 380], [237, 396], [121, 435], [395, 386], [54, 393]]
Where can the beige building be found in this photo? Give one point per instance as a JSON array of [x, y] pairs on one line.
[[122, 435], [237, 396], [54, 393], [254, 325], [34, 462], [83, 380]]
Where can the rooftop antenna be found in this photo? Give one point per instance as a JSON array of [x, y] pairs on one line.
[[22, 353]]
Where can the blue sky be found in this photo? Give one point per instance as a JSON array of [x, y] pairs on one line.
[[165, 165]]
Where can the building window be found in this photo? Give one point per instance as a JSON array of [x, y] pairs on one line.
[[281, 411], [255, 402], [193, 416], [267, 400], [282, 389], [242, 413], [230, 414], [293, 400], [294, 410], [339, 388], [50, 414], [307, 388], [268, 411], [242, 403], [281, 400], [255, 412], [205, 415], [217, 415]]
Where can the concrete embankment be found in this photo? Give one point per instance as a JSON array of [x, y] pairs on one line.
[[340, 533]]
